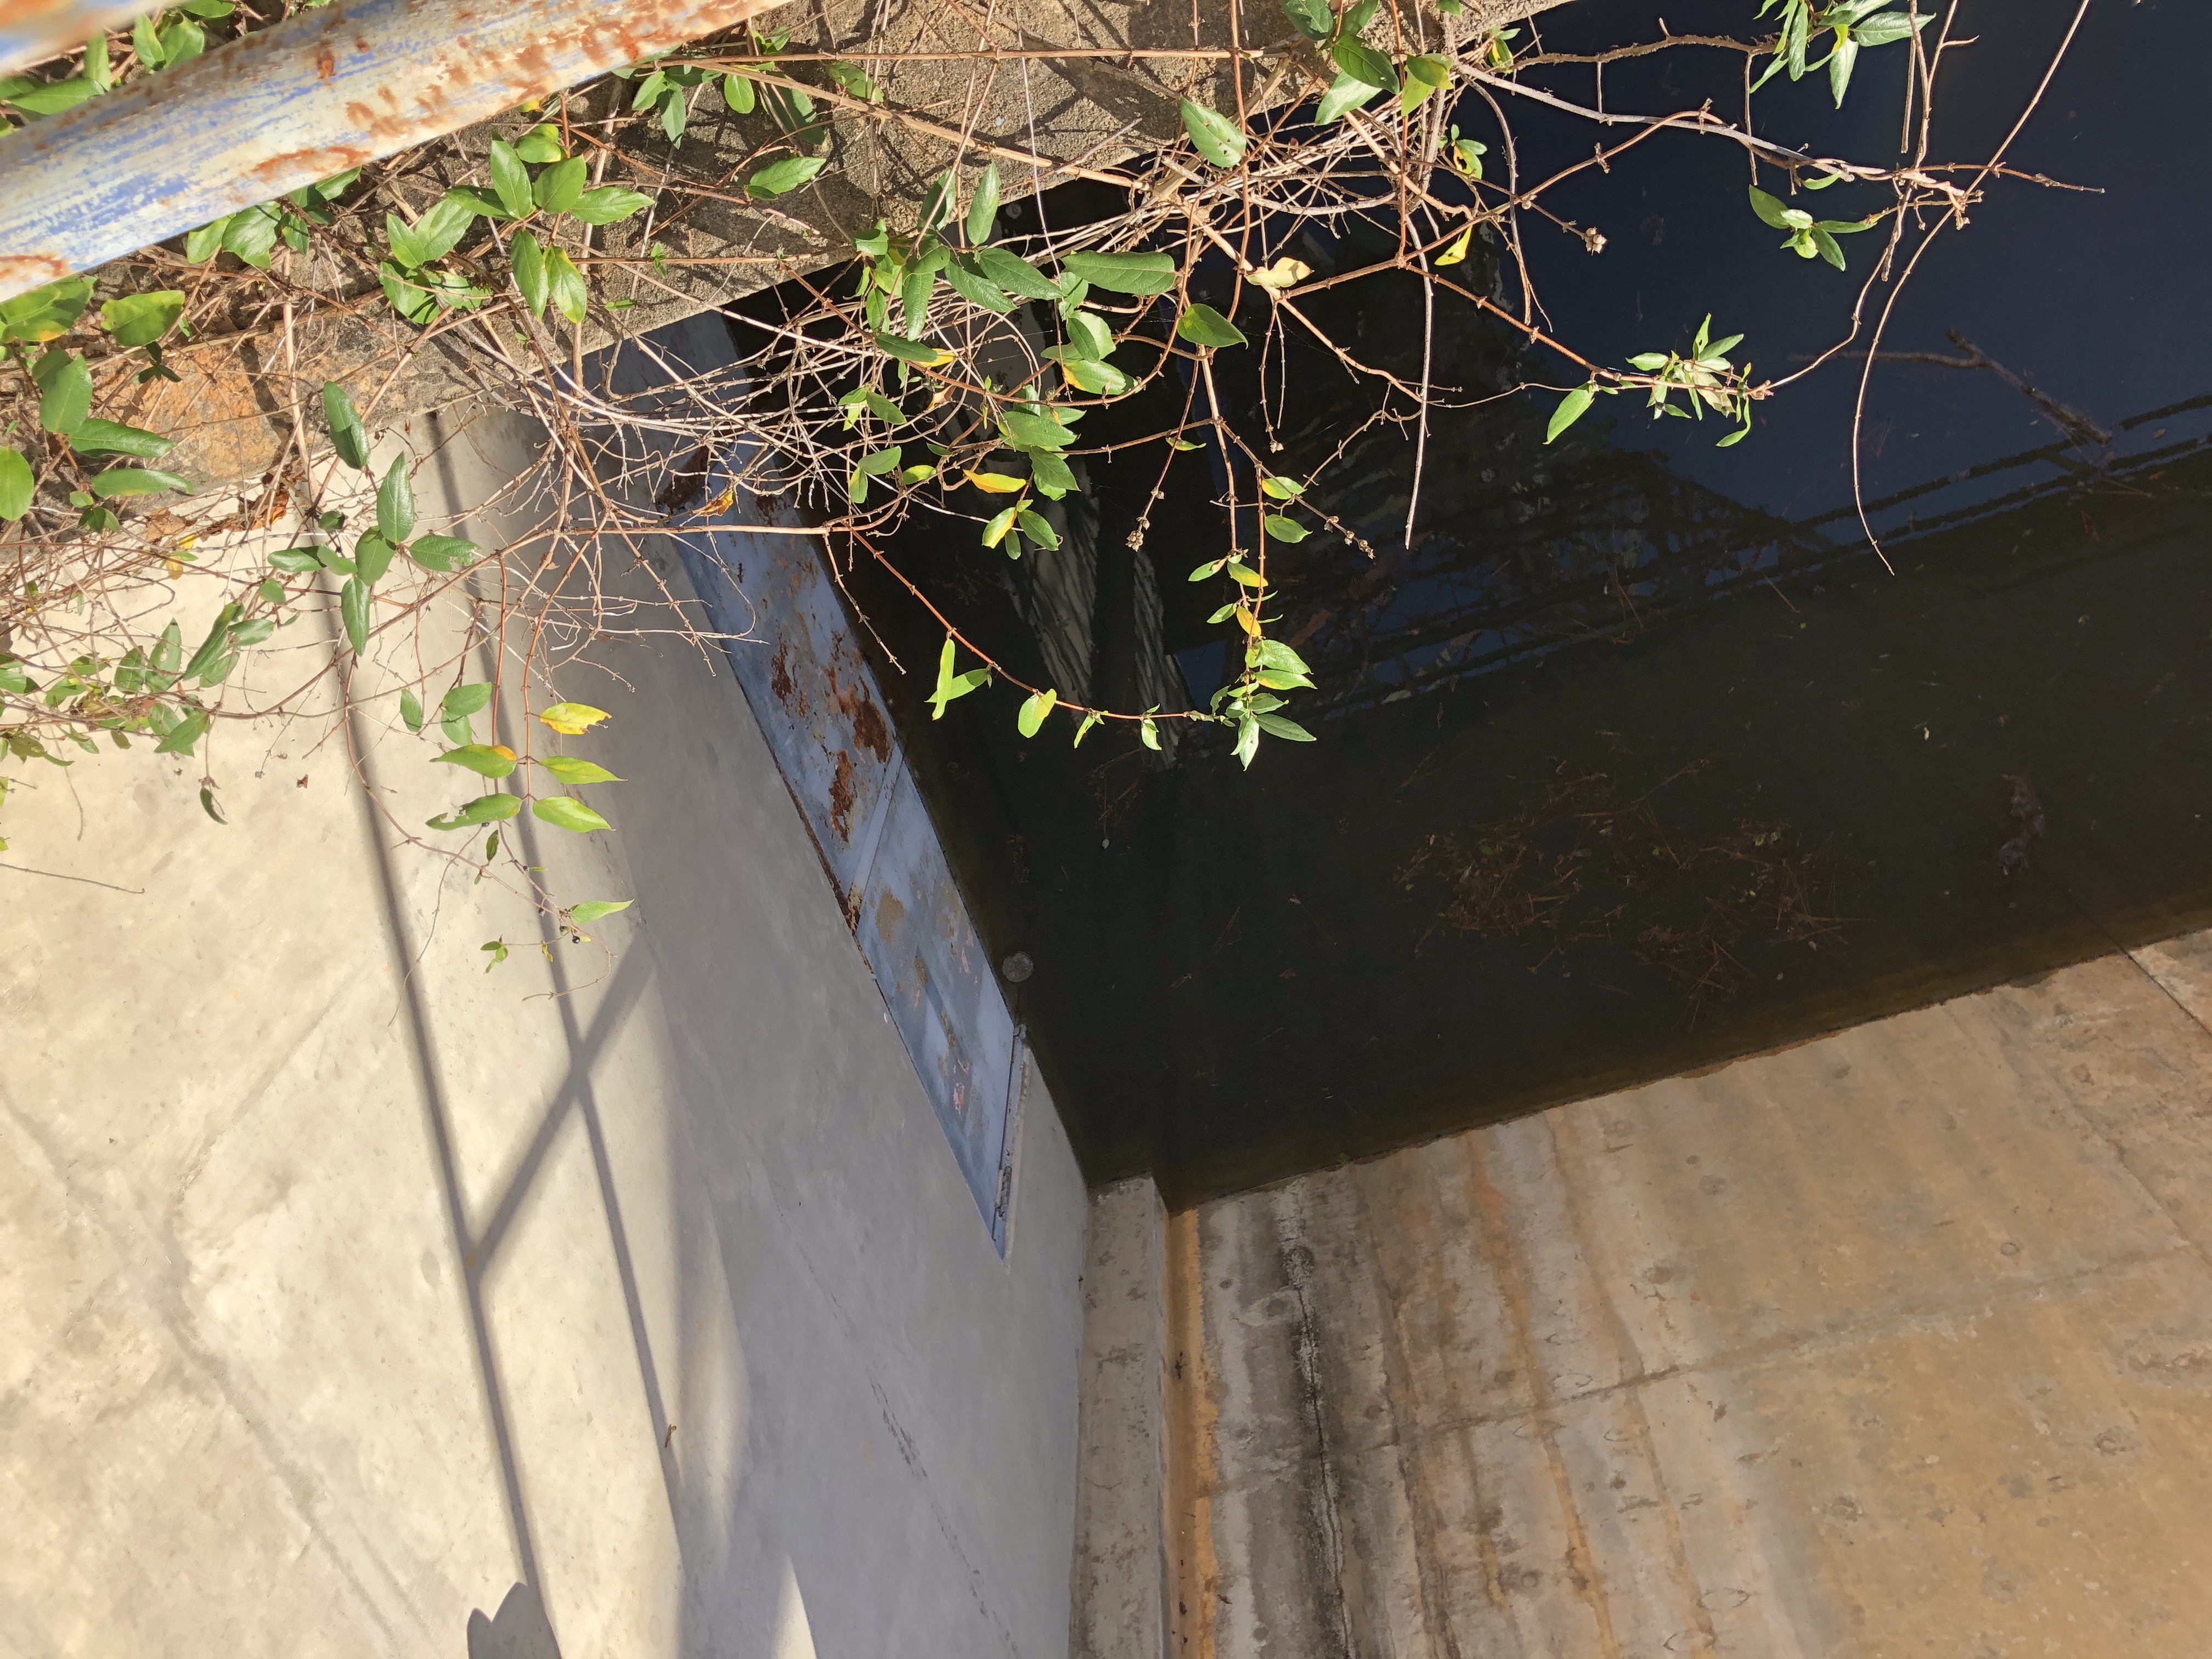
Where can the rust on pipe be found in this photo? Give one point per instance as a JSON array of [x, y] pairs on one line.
[[276, 110]]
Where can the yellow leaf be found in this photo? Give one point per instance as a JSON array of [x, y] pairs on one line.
[[1247, 622], [570, 718], [1286, 272], [500, 749], [721, 502], [994, 484], [1457, 250]]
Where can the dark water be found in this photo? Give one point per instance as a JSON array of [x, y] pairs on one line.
[[1638, 758]]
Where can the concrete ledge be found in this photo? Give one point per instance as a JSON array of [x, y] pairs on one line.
[[1121, 1593]]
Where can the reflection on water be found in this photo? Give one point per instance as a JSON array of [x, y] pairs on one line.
[[1633, 755]]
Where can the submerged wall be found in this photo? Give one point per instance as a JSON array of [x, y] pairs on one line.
[[355, 1301]]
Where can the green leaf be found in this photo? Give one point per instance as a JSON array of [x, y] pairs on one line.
[[1053, 476], [1101, 378], [572, 770], [251, 234], [1283, 529], [1119, 273], [65, 390], [567, 813], [1572, 409], [353, 611], [93, 436], [464, 700], [1363, 64], [882, 461], [347, 437], [204, 244], [541, 144], [564, 286], [975, 289], [995, 531], [781, 178], [17, 483], [1768, 207], [1281, 488], [395, 502], [184, 736], [1649, 361], [1212, 134], [1026, 431], [1212, 568], [440, 230], [441, 553], [136, 481], [372, 555], [983, 207], [1345, 93], [1311, 18], [1241, 573], [1088, 335], [939, 202], [952, 686], [1831, 250], [1082, 727], [1037, 528], [1889, 25], [510, 180], [488, 760], [168, 653], [54, 96], [213, 646], [1841, 61], [138, 319], [592, 909], [913, 351], [1034, 711], [1428, 67], [528, 262], [484, 809], [1015, 274], [853, 81], [410, 709], [1276, 726], [1202, 325], [45, 314], [738, 94], [476, 201], [1148, 733], [558, 188], [1248, 740], [609, 202]]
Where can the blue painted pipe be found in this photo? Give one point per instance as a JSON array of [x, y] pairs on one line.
[[32, 30], [323, 91]]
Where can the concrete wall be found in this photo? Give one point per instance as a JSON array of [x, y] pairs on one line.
[[354, 1301], [1896, 1342]]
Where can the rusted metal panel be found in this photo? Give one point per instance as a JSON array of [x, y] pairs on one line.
[[327, 90], [820, 709]]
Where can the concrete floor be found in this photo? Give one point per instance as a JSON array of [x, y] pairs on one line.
[[1897, 1342], [354, 1301]]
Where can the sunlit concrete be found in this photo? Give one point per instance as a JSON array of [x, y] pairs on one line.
[[625, 1299]]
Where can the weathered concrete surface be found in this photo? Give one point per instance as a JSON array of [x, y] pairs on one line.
[[1121, 1574], [1897, 1342], [354, 1301]]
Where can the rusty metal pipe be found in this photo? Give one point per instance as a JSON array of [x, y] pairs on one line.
[[32, 30], [323, 91]]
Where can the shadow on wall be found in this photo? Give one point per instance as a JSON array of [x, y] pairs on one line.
[[519, 1630]]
